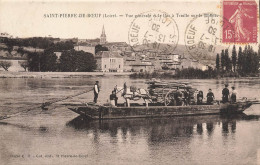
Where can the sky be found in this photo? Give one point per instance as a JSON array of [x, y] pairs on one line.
[[28, 18]]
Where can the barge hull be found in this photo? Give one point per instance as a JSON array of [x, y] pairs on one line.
[[108, 112]]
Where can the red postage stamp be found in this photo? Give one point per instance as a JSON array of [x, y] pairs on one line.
[[243, 17]]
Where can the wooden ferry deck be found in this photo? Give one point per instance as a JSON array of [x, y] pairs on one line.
[[100, 112]]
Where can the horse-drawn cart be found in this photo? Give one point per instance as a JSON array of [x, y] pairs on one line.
[[159, 92]]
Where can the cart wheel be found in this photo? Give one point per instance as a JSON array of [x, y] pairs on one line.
[[136, 98], [169, 98]]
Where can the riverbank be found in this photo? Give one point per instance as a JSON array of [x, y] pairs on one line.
[[144, 75], [191, 73], [8, 74]]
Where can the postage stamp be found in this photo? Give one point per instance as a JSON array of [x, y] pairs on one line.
[[155, 30], [243, 16], [203, 37]]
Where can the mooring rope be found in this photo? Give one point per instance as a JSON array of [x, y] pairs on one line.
[[62, 99], [43, 105]]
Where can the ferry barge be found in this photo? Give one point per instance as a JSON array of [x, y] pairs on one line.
[[103, 112]]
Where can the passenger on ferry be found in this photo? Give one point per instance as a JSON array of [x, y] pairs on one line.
[[210, 97], [199, 98], [96, 91], [233, 96], [125, 89], [225, 94], [113, 98], [178, 97], [186, 95], [190, 96]]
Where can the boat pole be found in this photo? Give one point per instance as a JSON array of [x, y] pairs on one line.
[[43, 106]]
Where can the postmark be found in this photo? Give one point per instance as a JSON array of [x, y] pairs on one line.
[[153, 30], [203, 37], [243, 16]]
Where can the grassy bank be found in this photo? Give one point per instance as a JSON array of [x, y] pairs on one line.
[[183, 74], [189, 73]]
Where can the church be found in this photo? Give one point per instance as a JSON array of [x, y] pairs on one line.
[[120, 47], [109, 61], [103, 37]]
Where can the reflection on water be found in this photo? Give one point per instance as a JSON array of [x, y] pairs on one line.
[[209, 139], [179, 134], [161, 128]]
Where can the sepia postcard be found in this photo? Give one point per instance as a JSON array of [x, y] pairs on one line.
[[129, 82]]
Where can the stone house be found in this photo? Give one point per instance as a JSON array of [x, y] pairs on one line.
[[109, 61], [142, 65], [191, 63], [170, 61]]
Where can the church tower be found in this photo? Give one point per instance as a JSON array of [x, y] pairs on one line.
[[103, 37]]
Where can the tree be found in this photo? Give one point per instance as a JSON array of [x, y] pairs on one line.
[[223, 60], [244, 60], [240, 60], [250, 59], [259, 50], [67, 62], [258, 59], [255, 64], [228, 61], [60, 46], [48, 61], [10, 49], [234, 58], [20, 50], [34, 61], [100, 48], [23, 64], [77, 61], [44, 62], [5, 64], [85, 62], [217, 62]]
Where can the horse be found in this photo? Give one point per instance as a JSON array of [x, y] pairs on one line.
[[132, 93]]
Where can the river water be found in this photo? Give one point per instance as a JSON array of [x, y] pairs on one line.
[[59, 136]]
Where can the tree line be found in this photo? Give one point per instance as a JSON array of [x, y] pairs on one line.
[[185, 73], [245, 62], [38, 42], [69, 61]]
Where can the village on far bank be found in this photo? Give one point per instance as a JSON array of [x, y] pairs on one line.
[[109, 56], [95, 56]]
